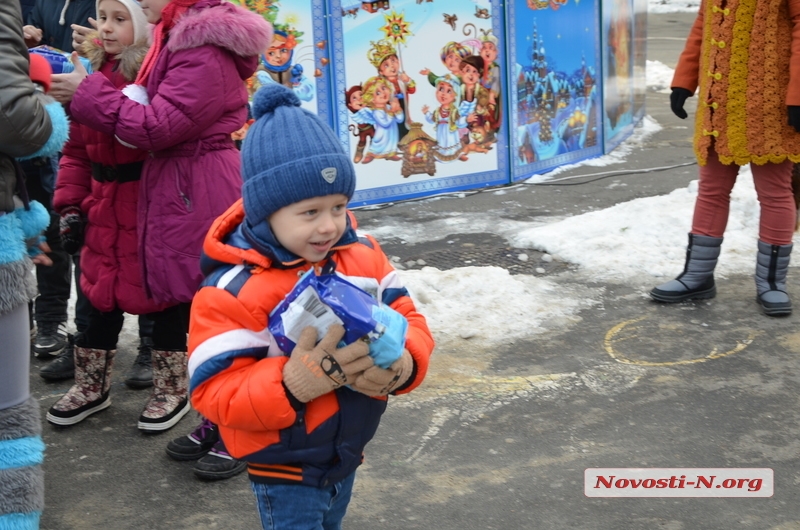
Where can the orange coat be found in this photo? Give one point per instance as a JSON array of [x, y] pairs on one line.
[[745, 57], [236, 369]]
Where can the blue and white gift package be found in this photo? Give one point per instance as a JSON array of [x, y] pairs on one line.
[[328, 299]]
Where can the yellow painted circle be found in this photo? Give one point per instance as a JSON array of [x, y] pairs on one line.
[[612, 337]]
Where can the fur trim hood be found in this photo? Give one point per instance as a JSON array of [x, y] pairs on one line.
[[130, 60], [224, 25]]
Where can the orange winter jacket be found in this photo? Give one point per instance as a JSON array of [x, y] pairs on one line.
[[745, 57], [236, 369]]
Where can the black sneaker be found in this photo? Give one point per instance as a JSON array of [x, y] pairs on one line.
[[51, 339], [218, 464], [63, 366], [141, 373], [194, 445]]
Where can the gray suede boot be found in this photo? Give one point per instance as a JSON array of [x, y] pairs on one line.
[[697, 279], [771, 266]]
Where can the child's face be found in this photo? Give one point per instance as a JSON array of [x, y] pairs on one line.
[[452, 61], [389, 67], [278, 54], [355, 100], [381, 97], [488, 51], [310, 228], [469, 74], [153, 8], [115, 26], [445, 94]]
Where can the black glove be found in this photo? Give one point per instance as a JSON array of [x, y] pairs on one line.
[[71, 230], [676, 101], [794, 117]]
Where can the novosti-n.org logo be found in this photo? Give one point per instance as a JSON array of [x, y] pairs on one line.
[[678, 482]]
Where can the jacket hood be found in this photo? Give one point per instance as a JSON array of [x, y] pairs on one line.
[[130, 60], [226, 244], [225, 25]]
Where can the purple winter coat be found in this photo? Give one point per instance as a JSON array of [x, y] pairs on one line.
[[197, 99]]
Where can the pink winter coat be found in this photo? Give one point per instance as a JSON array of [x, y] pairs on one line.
[[111, 277], [197, 98]]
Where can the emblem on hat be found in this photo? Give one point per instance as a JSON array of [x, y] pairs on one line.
[[329, 174]]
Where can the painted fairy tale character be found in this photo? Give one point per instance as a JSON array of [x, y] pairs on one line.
[[446, 118], [379, 96], [491, 76], [619, 40], [452, 54], [276, 65], [383, 57], [364, 126], [475, 105]]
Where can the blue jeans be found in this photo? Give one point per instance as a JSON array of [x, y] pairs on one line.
[[298, 507]]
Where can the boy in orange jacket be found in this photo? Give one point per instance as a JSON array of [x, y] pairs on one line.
[[300, 419]]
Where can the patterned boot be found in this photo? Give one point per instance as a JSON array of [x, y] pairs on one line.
[[89, 394], [169, 402], [21, 475]]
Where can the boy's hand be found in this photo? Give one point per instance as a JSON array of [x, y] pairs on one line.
[[376, 381], [316, 370]]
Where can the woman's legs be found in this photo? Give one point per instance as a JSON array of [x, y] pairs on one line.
[[773, 184], [713, 197], [708, 224]]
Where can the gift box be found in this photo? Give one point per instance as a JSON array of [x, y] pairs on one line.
[[59, 60], [325, 300]]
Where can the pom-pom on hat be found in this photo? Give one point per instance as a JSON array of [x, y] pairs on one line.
[[40, 71], [289, 155]]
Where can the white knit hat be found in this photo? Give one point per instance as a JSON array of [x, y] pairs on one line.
[[140, 27]]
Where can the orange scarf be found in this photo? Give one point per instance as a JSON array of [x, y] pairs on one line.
[[169, 16]]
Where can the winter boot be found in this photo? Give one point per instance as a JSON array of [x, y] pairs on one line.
[[697, 279], [218, 464], [194, 445], [169, 402], [63, 366], [771, 266], [141, 373], [89, 394]]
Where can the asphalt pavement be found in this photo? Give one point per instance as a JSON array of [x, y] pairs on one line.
[[499, 438]]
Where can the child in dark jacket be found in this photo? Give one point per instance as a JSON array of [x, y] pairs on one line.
[[325, 397]]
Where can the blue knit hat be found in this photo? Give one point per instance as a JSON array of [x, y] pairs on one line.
[[289, 155]]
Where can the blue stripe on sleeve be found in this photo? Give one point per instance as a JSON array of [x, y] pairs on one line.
[[390, 295]]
